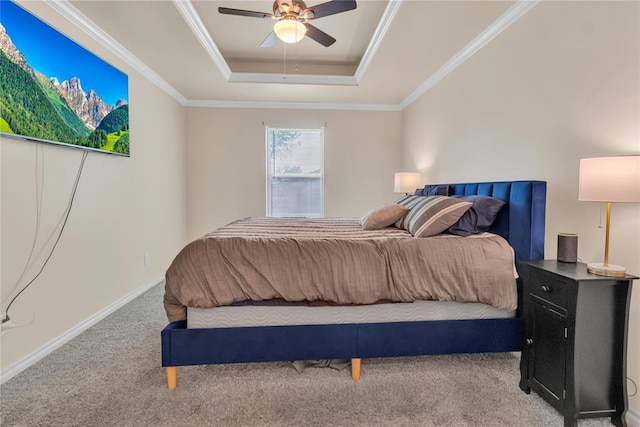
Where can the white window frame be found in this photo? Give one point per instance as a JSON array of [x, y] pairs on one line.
[[268, 164]]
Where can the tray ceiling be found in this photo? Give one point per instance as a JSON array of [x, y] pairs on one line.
[[384, 51]]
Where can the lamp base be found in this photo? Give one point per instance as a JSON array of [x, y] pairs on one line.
[[609, 270]]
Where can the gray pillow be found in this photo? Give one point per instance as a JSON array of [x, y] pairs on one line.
[[382, 217], [434, 190], [479, 218]]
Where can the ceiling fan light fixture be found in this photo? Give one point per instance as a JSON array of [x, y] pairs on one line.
[[289, 30]]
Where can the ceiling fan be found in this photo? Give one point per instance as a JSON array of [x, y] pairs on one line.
[[292, 16]]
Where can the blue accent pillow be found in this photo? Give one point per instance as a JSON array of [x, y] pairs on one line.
[[434, 190], [479, 218]]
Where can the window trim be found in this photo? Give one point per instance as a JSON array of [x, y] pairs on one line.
[[268, 164]]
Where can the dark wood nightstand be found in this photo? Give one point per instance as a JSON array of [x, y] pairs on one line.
[[575, 339]]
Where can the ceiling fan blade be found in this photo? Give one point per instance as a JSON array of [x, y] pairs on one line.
[[271, 40], [318, 35], [240, 12], [331, 8]]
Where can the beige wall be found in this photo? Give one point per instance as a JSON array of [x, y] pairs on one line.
[[561, 84], [226, 156], [124, 208]]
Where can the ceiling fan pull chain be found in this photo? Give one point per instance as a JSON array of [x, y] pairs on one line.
[[295, 55], [284, 71]]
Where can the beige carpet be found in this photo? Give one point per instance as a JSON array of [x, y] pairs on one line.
[[111, 376]]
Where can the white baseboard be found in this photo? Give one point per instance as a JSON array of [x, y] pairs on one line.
[[633, 418], [56, 343]]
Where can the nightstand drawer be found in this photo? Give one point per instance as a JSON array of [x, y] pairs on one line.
[[549, 289]]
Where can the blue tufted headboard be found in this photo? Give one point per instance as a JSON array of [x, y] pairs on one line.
[[520, 221]]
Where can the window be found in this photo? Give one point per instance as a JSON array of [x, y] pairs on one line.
[[294, 172]]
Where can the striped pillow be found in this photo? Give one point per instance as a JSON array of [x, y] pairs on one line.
[[434, 214], [408, 201]]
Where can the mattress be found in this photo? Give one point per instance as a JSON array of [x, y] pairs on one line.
[[284, 315]]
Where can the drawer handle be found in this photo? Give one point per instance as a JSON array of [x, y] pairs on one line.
[[529, 341], [546, 288]]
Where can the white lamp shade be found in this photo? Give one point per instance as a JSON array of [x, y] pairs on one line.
[[289, 30], [406, 182], [610, 179]]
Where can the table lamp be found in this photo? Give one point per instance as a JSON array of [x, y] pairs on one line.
[[406, 182], [609, 180]]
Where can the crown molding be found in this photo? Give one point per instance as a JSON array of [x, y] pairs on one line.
[[511, 15], [189, 14], [291, 105], [64, 8], [378, 35], [309, 79]]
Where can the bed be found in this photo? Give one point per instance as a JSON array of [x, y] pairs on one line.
[[520, 222]]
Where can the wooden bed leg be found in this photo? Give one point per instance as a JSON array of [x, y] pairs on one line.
[[355, 370], [172, 377]]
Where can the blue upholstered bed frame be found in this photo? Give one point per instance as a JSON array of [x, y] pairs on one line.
[[521, 221]]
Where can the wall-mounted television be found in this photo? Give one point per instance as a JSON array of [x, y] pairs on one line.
[[54, 90]]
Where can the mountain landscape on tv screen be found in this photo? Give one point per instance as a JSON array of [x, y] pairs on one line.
[[41, 107]]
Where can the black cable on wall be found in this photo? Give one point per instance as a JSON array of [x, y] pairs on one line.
[[6, 317]]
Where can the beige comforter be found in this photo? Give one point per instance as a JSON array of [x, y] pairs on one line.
[[334, 260]]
